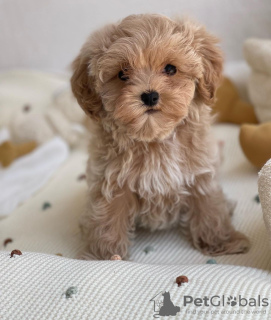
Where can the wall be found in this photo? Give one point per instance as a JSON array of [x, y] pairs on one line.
[[47, 34]]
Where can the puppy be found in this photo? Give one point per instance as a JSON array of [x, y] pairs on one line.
[[148, 83]]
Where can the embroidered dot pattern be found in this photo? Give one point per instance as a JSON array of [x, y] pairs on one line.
[[7, 241], [46, 205], [149, 249], [257, 199], [211, 261], [70, 292]]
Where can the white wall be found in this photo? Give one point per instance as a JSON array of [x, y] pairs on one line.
[[47, 34]]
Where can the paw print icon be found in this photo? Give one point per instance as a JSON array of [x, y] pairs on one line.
[[232, 301]]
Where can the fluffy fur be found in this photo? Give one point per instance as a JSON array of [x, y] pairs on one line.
[[158, 169]]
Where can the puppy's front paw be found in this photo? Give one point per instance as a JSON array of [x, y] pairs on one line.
[[236, 243], [102, 250]]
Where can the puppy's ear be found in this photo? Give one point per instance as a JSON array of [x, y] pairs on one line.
[[205, 45], [83, 88]]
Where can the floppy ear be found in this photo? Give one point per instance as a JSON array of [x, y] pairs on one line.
[[82, 84], [205, 45]]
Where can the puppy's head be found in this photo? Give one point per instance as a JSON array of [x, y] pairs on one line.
[[141, 76]]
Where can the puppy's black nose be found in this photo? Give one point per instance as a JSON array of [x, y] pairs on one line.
[[150, 99]]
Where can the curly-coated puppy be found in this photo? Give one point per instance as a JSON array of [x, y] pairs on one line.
[[147, 83]]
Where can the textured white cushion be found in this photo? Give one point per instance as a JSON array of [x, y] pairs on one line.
[[33, 287]]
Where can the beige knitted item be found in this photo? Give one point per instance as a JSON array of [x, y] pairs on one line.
[[264, 185]]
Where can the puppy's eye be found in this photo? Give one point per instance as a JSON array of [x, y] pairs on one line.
[[122, 76], [170, 69]]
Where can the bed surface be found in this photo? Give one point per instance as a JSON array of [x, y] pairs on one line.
[[32, 284], [55, 229]]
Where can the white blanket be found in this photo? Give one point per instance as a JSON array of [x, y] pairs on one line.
[[27, 174]]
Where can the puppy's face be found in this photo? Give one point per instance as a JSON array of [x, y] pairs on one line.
[[143, 74], [148, 89]]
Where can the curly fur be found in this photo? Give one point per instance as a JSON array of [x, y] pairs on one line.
[[155, 170]]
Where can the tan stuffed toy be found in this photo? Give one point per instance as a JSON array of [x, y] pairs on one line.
[[255, 140], [10, 151], [229, 107]]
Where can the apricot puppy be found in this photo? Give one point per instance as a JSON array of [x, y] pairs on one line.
[[147, 82]]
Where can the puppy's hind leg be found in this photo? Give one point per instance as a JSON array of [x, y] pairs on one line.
[[210, 223]]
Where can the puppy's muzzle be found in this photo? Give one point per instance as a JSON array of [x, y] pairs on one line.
[[150, 99]]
